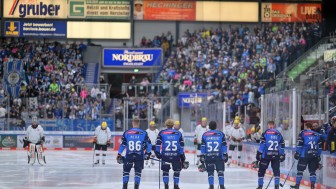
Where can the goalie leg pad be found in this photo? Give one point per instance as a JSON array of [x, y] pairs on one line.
[[31, 153], [40, 153]]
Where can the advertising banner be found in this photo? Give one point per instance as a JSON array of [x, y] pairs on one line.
[[39, 29], [117, 142], [330, 55], [185, 100], [8, 141], [12, 77], [51, 141], [164, 10], [44, 9], [80, 125], [329, 171], [291, 12], [77, 141], [132, 57], [99, 9]]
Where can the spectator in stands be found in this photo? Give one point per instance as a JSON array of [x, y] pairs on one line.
[[3, 111]]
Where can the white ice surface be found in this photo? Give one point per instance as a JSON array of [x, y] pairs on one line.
[[73, 169]]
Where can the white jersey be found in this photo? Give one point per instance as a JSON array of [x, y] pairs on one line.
[[152, 135], [34, 135], [286, 135], [227, 130], [199, 131], [237, 134], [181, 131], [255, 136], [102, 135]]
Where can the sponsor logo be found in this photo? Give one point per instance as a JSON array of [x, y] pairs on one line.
[[132, 132], [168, 132], [77, 9], [9, 141], [270, 132], [130, 57], [209, 133], [32, 8], [12, 28]]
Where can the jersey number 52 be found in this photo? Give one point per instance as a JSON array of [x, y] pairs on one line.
[[212, 146]]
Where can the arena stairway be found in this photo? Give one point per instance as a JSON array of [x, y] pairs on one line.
[[308, 59]]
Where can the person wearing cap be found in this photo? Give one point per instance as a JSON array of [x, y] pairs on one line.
[[138, 149], [138, 13], [286, 132], [177, 126], [102, 139], [199, 131], [152, 134], [236, 136]]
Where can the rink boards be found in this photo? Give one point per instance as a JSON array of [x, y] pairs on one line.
[[12, 140]]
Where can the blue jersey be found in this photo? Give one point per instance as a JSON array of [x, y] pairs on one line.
[[135, 141], [309, 144], [271, 144], [172, 144], [213, 145]]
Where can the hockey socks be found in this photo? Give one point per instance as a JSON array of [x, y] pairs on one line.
[[221, 177], [276, 181], [176, 177], [260, 181], [165, 177]]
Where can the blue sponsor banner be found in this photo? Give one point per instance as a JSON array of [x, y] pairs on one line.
[[132, 57], [12, 78], [185, 100], [39, 29]]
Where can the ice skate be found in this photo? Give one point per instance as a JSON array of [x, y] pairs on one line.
[[166, 186], [221, 187], [176, 186], [124, 186], [259, 187], [136, 186], [103, 162], [211, 187], [297, 186]]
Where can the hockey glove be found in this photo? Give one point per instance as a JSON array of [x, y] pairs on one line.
[[195, 141], [183, 158], [108, 143], [201, 168], [296, 155], [43, 139], [120, 159], [282, 157], [319, 158], [185, 165], [226, 158], [25, 142], [158, 155], [202, 158], [258, 156], [147, 156], [94, 140], [233, 139]]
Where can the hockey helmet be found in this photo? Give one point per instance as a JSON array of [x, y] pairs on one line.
[[204, 119], [104, 125], [201, 168], [34, 122], [177, 122], [152, 123]]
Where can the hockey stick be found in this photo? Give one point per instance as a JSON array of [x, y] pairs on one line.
[[282, 185], [94, 147], [269, 182], [159, 173]]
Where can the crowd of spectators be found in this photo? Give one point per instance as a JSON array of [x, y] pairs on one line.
[[53, 83], [236, 63], [165, 41]]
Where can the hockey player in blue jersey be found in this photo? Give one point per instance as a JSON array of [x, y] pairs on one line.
[[170, 149], [214, 154], [135, 141], [271, 150], [308, 152]]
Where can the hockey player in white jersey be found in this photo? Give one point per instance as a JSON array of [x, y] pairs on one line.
[[152, 132], [177, 126], [101, 141], [199, 131], [34, 139], [236, 136]]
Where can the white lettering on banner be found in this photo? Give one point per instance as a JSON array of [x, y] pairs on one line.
[[35, 8], [308, 10], [133, 56], [192, 100]]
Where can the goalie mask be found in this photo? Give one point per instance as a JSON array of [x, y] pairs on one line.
[[34, 122]]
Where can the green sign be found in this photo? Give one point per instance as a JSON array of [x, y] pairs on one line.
[[8, 141], [99, 9]]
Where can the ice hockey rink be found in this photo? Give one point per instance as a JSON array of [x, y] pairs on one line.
[[73, 169]]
